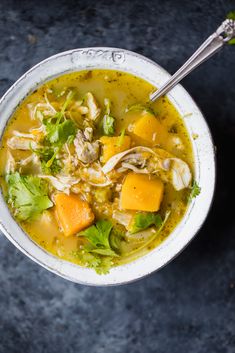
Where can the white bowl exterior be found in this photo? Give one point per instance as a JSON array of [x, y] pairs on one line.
[[117, 59]]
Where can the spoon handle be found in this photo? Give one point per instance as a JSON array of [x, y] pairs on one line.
[[222, 35]]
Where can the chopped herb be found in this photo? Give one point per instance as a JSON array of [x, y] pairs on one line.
[[101, 264], [98, 236], [58, 134], [143, 220], [98, 254], [108, 121], [28, 195], [195, 191], [49, 163], [121, 138]]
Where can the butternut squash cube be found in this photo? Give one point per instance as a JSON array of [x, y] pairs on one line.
[[148, 128], [140, 192], [112, 146], [73, 213]]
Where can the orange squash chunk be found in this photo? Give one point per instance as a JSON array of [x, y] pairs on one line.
[[111, 146], [148, 128], [73, 213], [140, 192]]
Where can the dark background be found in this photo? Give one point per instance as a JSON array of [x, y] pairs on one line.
[[189, 306]]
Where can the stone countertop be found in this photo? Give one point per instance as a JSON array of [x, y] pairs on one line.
[[189, 305]]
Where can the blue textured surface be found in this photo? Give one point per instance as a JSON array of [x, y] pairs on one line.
[[189, 305]]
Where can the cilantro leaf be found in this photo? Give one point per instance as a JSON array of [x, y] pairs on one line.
[[143, 220], [101, 264], [98, 235], [195, 191], [58, 134], [28, 195], [45, 155]]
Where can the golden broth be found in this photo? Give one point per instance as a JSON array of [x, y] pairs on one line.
[[123, 90]]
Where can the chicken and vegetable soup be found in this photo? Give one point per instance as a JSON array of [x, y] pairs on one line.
[[92, 172]]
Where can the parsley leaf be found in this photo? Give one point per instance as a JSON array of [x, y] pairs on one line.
[[195, 191], [143, 220], [28, 195]]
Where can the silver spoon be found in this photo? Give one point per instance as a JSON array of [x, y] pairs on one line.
[[222, 35]]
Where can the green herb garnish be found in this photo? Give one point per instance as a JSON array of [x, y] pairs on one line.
[[121, 138], [98, 253], [143, 220], [195, 191], [108, 121], [98, 236], [28, 195]]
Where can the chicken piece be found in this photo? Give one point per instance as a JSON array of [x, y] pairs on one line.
[[21, 143], [87, 152], [94, 110]]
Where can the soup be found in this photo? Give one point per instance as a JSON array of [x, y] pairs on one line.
[[93, 172]]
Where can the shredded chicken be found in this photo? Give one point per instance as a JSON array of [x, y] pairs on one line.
[[61, 183], [10, 164], [113, 161], [94, 110], [21, 143], [22, 134], [87, 151], [180, 174]]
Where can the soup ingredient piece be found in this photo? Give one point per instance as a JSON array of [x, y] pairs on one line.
[[117, 158], [103, 195], [123, 217], [47, 154], [143, 220], [28, 195], [121, 138], [101, 264], [87, 151], [98, 236], [73, 213], [180, 173], [148, 128], [108, 121], [21, 143], [94, 110], [10, 163], [195, 191], [151, 238], [59, 133], [110, 146], [140, 192], [61, 183], [140, 107]]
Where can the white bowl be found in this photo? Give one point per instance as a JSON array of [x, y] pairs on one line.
[[123, 60]]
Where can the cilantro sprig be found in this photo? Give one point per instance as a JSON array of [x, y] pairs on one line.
[[102, 246], [194, 191], [28, 195]]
